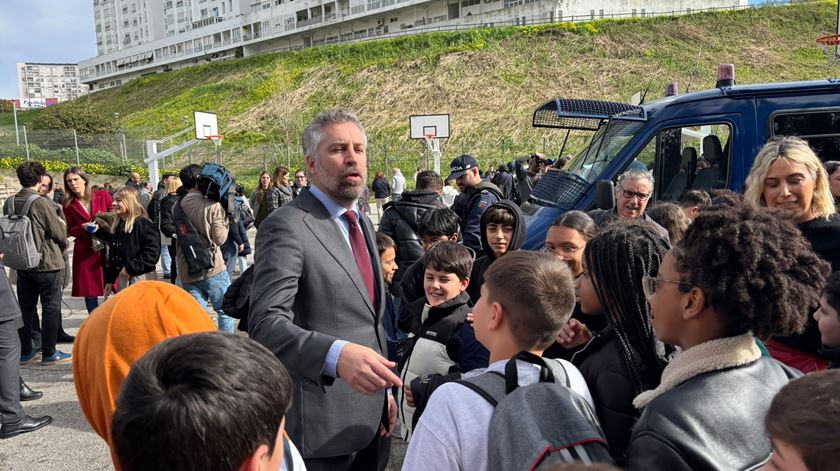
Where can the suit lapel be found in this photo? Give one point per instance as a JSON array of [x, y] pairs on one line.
[[327, 232]]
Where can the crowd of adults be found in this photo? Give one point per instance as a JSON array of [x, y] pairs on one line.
[[688, 335]]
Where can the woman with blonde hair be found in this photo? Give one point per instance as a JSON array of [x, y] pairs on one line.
[[134, 242], [788, 175]]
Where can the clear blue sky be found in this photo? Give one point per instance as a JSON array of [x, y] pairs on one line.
[[43, 31]]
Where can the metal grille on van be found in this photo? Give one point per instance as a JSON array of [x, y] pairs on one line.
[[559, 188]]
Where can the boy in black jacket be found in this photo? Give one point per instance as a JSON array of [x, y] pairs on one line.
[[445, 342]]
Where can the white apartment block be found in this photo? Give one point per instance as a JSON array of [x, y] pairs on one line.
[[140, 37], [38, 82]]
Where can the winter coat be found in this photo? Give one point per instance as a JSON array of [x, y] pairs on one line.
[[237, 300], [504, 181], [399, 221], [708, 411], [88, 278], [470, 207], [381, 188], [49, 231], [136, 251], [278, 196], [167, 219], [483, 263], [824, 236], [444, 343]]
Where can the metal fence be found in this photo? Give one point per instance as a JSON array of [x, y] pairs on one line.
[[118, 151]]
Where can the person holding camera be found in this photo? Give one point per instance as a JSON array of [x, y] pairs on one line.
[[211, 223], [527, 178]]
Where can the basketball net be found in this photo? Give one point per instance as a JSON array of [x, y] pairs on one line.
[[217, 142], [831, 47], [433, 150]]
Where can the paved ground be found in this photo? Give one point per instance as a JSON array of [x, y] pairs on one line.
[[69, 443]]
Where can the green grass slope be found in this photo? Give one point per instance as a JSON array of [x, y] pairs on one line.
[[488, 80]]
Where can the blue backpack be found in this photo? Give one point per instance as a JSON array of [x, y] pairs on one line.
[[217, 184]]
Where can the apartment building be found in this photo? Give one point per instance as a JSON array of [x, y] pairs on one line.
[[39, 82], [148, 36]]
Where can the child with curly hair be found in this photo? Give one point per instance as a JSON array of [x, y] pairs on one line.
[[741, 271]]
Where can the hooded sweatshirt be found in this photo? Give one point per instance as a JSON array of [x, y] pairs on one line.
[[118, 333], [482, 264]]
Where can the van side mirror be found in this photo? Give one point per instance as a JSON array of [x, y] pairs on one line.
[[605, 194]]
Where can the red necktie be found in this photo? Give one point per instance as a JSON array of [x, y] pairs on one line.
[[361, 254]]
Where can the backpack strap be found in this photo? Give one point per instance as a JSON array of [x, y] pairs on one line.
[[25, 210]]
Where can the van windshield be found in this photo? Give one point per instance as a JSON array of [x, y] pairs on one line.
[[605, 145]]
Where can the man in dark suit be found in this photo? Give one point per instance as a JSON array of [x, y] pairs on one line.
[[317, 300]]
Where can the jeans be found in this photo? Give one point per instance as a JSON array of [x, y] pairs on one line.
[[213, 289], [165, 259], [230, 251], [47, 286]]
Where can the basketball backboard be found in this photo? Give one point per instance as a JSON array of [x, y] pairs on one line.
[[430, 125], [205, 125]]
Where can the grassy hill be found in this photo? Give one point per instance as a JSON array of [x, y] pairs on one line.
[[488, 80]]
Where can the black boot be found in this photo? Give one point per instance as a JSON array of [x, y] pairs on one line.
[[64, 337], [27, 394]]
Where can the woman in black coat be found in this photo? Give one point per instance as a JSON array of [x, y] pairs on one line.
[[134, 244], [167, 221]]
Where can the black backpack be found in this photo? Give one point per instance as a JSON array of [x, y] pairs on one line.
[[190, 244], [540, 424]]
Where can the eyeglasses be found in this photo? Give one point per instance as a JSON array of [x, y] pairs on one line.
[[649, 284], [632, 194], [566, 249]]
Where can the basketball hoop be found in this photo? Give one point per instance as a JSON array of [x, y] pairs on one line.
[[432, 143], [217, 140], [831, 46]]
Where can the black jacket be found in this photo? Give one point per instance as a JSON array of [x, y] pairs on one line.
[[411, 289], [712, 421], [399, 221], [504, 180], [167, 216], [381, 188], [137, 251], [824, 236], [483, 263], [605, 371], [237, 300]]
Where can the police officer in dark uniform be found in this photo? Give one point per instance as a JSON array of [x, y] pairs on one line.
[[12, 388], [476, 196]]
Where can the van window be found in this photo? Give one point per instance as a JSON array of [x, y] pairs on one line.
[[820, 128], [688, 158]]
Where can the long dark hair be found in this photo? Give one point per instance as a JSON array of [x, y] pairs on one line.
[[261, 192], [69, 195], [616, 260]]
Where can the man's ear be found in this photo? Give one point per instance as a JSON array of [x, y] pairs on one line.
[[254, 461], [497, 317], [454, 237], [310, 166], [464, 283]]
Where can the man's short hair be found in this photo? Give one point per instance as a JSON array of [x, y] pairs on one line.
[[805, 414], [440, 222], [384, 242], [201, 401], [499, 215], [537, 294], [429, 180], [633, 175], [693, 198], [312, 134], [29, 173], [190, 175], [450, 257]]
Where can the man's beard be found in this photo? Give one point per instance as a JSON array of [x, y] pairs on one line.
[[338, 188]]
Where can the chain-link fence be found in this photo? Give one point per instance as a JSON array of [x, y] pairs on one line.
[[119, 153]]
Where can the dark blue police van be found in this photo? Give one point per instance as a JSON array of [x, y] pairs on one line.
[[703, 140]]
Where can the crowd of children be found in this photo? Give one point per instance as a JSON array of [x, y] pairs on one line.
[[616, 346]]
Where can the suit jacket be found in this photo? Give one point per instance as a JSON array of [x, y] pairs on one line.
[[307, 293]]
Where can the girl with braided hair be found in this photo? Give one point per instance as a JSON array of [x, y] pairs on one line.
[[740, 272], [788, 175], [622, 360]]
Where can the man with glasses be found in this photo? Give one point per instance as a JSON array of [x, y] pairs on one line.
[[632, 193]]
